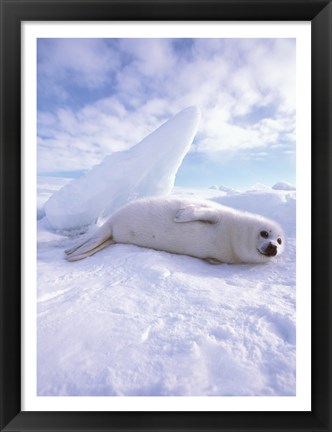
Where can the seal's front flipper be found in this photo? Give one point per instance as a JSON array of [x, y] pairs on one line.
[[194, 213]]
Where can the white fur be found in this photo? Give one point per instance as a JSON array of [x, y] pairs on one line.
[[201, 229]]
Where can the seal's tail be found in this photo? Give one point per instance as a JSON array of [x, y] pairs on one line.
[[99, 240]]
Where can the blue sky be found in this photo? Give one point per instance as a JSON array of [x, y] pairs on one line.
[[97, 96]]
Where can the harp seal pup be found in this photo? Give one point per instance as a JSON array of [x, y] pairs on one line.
[[198, 228]]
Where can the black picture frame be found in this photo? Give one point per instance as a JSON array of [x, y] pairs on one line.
[[13, 12]]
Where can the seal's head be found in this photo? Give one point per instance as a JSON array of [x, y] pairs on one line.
[[270, 241]]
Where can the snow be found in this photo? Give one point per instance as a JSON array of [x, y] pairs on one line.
[[133, 321], [150, 165], [130, 321], [283, 186], [277, 205]]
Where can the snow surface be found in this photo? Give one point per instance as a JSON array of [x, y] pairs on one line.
[[148, 168], [283, 186], [133, 321]]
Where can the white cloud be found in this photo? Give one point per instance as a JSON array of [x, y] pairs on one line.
[[151, 57], [75, 140], [86, 63], [145, 82], [223, 136]]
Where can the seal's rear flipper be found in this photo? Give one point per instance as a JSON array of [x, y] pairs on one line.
[[78, 254], [99, 240]]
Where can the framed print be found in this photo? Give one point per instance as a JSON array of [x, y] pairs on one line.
[[165, 216]]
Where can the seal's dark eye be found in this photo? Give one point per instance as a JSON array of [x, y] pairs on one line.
[[279, 241], [264, 234]]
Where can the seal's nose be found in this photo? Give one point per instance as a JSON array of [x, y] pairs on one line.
[[271, 250]]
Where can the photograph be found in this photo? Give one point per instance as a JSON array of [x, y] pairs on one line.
[[165, 219], [166, 207]]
